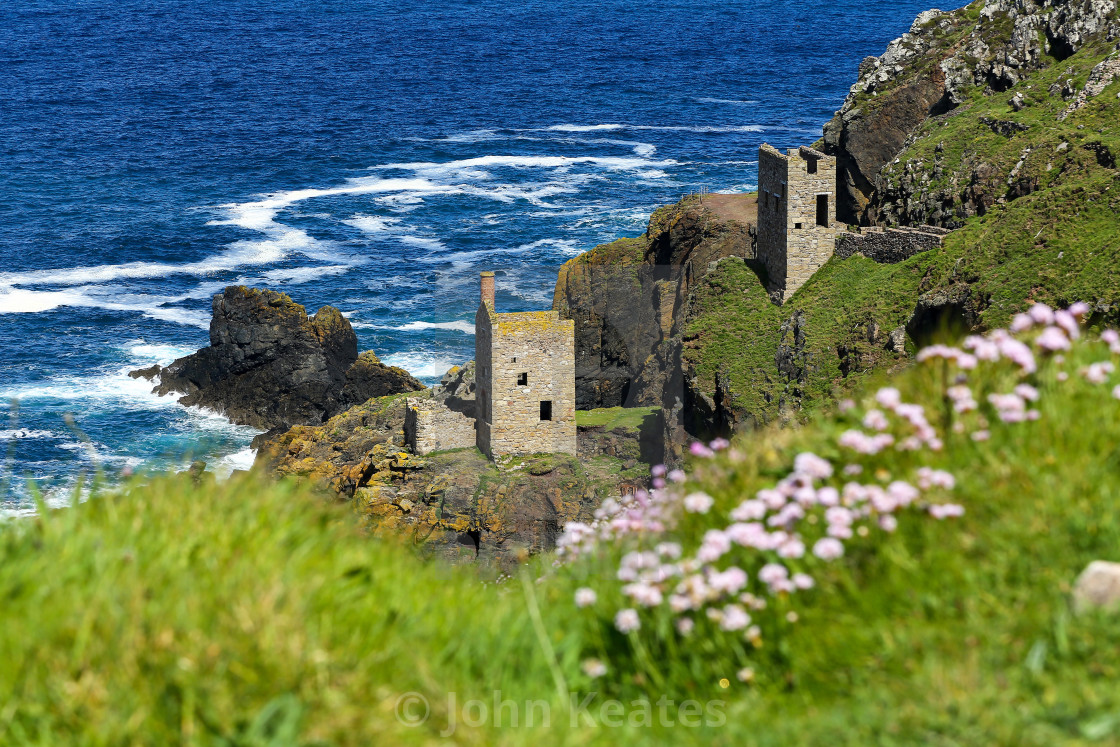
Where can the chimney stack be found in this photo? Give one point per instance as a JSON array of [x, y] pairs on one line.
[[487, 282]]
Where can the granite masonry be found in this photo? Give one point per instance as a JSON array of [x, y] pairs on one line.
[[796, 216], [526, 382], [523, 396], [890, 245]]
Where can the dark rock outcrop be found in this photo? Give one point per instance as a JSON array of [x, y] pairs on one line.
[[269, 365], [928, 72], [630, 298]]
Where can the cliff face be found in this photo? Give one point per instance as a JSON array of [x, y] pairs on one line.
[[946, 62], [630, 301], [999, 119], [269, 365]]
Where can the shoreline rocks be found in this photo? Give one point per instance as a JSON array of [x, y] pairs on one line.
[[270, 365]]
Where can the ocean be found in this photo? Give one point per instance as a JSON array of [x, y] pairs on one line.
[[373, 156]]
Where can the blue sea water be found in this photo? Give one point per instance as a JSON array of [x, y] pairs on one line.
[[370, 155]]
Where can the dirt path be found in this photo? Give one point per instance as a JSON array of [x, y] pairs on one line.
[[743, 208]]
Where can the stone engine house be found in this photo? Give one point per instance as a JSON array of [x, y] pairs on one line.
[[797, 228], [525, 380]]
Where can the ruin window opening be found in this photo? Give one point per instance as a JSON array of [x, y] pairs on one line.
[[797, 225], [811, 166], [822, 210], [546, 409], [523, 379]]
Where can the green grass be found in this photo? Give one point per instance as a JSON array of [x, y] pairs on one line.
[[609, 418], [249, 612]]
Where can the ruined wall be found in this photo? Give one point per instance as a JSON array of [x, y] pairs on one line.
[[771, 247], [529, 359], [792, 243], [429, 425], [809, 244], [889, 246], [483, 322]]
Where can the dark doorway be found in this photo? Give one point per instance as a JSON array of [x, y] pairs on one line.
[[822, 210], [546, 409]]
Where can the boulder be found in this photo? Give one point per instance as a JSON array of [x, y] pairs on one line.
[[270, 366]]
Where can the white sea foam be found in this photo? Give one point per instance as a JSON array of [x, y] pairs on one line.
[[19, 300], [142, 351], [456, 326], [423, 365], [238, 460], [422, 242], [733, 102], [25, 434], [522, 162], [298, 275], [653, 128], [374, 223]]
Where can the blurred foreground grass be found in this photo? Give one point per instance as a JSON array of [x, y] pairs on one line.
[[252, 612]]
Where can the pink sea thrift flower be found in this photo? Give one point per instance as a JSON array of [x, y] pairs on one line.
[[1116, 391], [828, 548], [730, 581], [585, 597], [1018, 353], [1052, 339], [888, 523], [658, 470], [791, 548], [981, 435], [749, 510], [1021, 323], [828, 496], [888, 397], [627, 621], [700, 450], [719, 444], [935, 478], [1079, 309], [811, 465], [1027, 392], [803, 581], [714, 546], [946, 510], [1040, 313], [594, 668], [1097, 373], [875, 420], [698, 503], [771, 573], [677, 476], [643, 593], [685, 625], [734, 617], [1067, 322], [669, 549]]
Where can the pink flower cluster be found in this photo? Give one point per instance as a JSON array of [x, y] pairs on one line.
[[766, 547], [918, 431]]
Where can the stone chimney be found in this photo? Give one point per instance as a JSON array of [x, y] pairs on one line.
[[487, 282]]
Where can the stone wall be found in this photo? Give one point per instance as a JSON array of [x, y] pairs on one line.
[[429, 425], [889, 246], [796, 216], [771, 246], [524, 360]]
